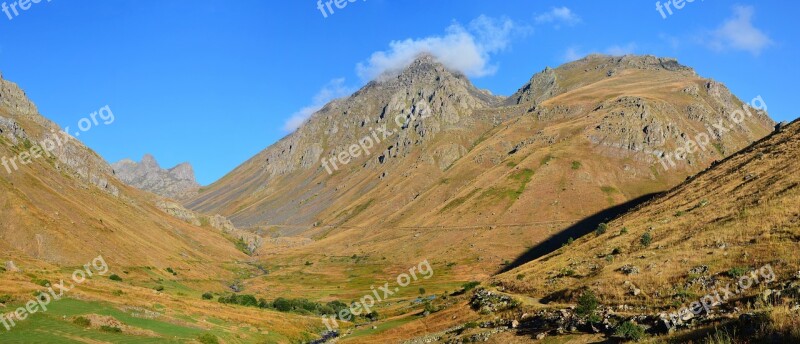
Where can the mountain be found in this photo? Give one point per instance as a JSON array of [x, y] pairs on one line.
[[730, 232], [476, 150], [61, 207], [177, 183], [475, 177]]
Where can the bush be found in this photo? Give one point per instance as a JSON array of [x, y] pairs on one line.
[[115, 277], [576, 165], [82, 321], [159, 288], [208, 296], [172, 271], [470, 285], [646, 239], [42, 282], [117, 292], [629, 330], [587, 304], [208, 338], [624, 230], [239, 299], [601, 229], [110, 329], [5, 298], [739, 271]]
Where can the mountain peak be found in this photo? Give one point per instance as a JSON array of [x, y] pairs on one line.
[[178, 182], [150, 161]]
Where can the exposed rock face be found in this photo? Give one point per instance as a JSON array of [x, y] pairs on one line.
[[217, 222], [17, 112], [176, 183]]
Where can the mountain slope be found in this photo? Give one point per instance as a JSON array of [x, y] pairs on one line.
[[63, 208], [730, 232]]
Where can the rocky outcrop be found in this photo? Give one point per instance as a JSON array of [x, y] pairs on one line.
[[17, 113], [218, 222], [176, 183]]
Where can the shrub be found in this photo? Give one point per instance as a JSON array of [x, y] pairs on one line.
[[470, 285], [42, 282], [110, 329], [629, 330], [239, 299], [520, 277], [624, 230], [738, 271], [82, 321], [422, 291], [309, 263], [117, 292], [5, 298], [372, 316], [601, 229], [587, 304], [570, 241], [576, 165], [208, 338], [172, 271], [159, 288], [115, 277], [646, 239], [208, 296], [430, 308]]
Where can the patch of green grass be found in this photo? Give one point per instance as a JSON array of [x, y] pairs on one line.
[[608, 189], [738, 271], [208, 338], [547, 159], [82, 322], [459, 201]]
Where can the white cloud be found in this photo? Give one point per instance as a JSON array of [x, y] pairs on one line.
[[576, 53], [738, 33], [558, 16], [572, 54], [465, 49], [619, 50], [332, 90]]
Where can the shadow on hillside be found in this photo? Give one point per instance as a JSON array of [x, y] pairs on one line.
[[577, 230]]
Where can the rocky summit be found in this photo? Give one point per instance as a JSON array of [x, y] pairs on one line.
[[177, 183]]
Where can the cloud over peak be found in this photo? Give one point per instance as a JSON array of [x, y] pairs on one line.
[[332, 90], [465, 49]]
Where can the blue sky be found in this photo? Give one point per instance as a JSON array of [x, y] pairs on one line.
[[215, 82]]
